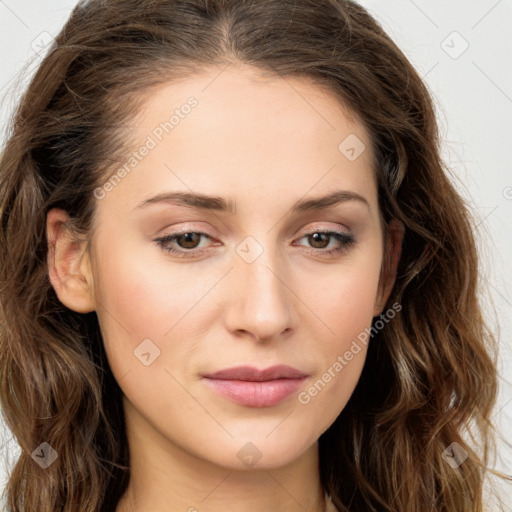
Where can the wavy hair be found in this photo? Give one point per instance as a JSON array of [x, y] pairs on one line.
[[430, 376]]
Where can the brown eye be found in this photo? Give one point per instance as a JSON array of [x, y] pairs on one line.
[[183, 244], [319, 240], [188, 240]]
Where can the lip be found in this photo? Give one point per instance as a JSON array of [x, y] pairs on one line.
[[252, 387]]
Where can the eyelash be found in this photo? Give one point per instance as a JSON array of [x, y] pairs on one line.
[[345, 239]]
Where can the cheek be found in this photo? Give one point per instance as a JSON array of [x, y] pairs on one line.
[[139, 300], [345, 305], [344, 298], [140, 289]]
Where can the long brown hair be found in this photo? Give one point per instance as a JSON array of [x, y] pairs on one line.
[[430, 377]]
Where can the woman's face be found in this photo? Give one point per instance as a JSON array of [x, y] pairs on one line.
[[254, 283]]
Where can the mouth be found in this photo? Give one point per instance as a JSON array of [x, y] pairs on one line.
[[251, 387]]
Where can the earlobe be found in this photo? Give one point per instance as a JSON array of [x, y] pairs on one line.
[[68, 264], [394, 238]]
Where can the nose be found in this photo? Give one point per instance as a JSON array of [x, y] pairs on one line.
[[260, 300]]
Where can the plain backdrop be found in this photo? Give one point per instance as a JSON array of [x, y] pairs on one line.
[[461, 49]]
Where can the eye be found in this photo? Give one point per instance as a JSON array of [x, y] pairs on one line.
[[321, 239], [187, 242]]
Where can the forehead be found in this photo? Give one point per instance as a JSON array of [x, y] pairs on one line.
[[235, 129]]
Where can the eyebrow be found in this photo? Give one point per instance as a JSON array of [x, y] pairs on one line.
[[222, 205]]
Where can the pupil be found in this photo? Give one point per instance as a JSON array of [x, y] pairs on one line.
[[317, 236], [189, 240]]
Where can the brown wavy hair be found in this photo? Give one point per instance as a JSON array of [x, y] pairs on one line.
[[430, 376]]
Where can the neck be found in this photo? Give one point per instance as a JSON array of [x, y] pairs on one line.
[[164, 478]]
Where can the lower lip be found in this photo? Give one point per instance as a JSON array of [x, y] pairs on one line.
[[256, 394]]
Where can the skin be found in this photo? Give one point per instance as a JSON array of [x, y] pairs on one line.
[[263, 143]]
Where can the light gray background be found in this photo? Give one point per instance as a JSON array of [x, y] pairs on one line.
[[472, 88]]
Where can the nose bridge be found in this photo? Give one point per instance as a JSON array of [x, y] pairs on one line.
[[261, 304]]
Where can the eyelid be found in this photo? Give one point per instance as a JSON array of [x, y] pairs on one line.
[[305, 232], [182, 231], [325, 226]]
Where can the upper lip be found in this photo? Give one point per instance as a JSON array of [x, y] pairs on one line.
[[250, 373]]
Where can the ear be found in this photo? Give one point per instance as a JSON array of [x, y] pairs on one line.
[[392, 251], [68, 262]]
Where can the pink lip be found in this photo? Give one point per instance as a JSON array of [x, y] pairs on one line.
[[256, 388]]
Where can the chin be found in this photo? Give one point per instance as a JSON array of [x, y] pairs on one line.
[[260, 452]]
